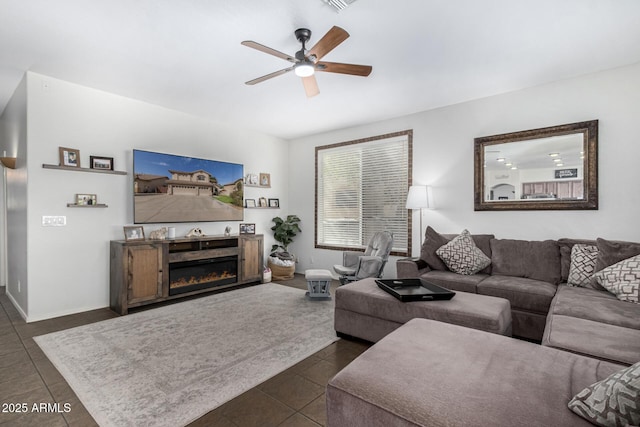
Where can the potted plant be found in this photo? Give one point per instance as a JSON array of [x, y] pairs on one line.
[[282, 262]]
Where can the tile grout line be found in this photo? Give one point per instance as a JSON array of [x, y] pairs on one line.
[[3, 301]]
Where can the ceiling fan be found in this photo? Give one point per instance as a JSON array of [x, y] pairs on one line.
[[307, 62]]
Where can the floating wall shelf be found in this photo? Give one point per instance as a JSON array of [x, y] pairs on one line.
[[99, 205], [70, 168]]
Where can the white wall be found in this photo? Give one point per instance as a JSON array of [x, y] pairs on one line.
[[443, 158], [68, 267], [13, 137]]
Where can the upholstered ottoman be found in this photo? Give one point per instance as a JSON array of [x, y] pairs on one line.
[[428, 373], [363, 310]]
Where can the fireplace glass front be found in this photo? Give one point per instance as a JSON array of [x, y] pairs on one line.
[[190, 276]]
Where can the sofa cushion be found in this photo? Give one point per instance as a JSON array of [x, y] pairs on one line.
[[538, 260], [462, 256], [583, 263], [622, 279], [611, 252], [453, 281], [524, 294], [594, 339], [613, 401], [598, 306]]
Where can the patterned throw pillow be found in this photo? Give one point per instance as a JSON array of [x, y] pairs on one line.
[[614, 401], [462, 256], [622, 279], [583, 264]]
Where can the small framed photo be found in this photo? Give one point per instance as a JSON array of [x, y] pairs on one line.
[[250, 203], [133, 232], [247, 229], [86, 199], [274, 203], [251, 179], [69, 157], [262, 202], [265, 180], [102, 163]]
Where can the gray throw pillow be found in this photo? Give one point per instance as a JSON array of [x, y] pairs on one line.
[[614, 401], [583, 263], [611, 252], [622, 279], [433, 241], [462, 256]]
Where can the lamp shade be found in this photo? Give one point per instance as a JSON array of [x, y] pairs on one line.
[[418, 197]]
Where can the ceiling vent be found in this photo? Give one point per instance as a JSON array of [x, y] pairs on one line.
[[339, 4]]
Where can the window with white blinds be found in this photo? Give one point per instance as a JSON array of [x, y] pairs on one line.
[[361, 188]]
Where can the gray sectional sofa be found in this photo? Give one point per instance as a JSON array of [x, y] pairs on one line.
[[532, 275], [426, 372]]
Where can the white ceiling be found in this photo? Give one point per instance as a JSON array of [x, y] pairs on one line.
[[186, 54]]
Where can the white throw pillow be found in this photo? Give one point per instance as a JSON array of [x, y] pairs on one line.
[[462, 256], [622, 279], [583, 264]]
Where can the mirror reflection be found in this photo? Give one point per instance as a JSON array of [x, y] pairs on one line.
[[538, 169], [548, 168]]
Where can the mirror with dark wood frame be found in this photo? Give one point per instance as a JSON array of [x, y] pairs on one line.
[[540, 169]]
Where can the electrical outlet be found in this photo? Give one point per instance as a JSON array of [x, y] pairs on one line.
[[310, 260], [54, 221], [19, 286]]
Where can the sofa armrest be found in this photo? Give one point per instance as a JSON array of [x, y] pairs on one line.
[[410, 268]]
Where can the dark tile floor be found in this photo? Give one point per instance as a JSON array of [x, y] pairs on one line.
[[294, 397]]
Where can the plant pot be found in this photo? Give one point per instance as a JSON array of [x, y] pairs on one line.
[[279, 272]]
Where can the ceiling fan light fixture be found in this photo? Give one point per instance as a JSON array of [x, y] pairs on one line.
[[304, 69]]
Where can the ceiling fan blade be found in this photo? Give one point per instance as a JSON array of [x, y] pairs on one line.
[[269, 76], [310, 86], [337, 67], [328, 42], [266, 49]]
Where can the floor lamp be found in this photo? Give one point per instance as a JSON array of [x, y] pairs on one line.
[[418, 198]]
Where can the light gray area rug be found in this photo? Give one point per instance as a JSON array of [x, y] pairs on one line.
[[170, 365]]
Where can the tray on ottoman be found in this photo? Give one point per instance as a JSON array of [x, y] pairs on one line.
[[414, 290]]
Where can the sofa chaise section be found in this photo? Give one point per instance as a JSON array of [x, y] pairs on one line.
[[594, 323], [428, 373]]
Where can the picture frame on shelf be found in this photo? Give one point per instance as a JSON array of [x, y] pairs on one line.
[[101, 163], [250, 203], [274, 203], [133, 232], [265, 180], [262, 202], [247, 228], [251, 179], [86, 199], [69, 157]]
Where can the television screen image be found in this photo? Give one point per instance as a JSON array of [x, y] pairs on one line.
[[172, 188]]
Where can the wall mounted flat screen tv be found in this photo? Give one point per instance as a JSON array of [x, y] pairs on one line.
[[172, 188]]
